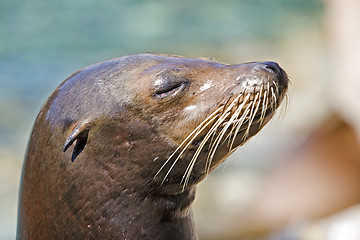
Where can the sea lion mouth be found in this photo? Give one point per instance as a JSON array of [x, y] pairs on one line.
[[236, 118]]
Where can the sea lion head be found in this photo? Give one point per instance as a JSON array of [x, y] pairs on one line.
[[172, 117]]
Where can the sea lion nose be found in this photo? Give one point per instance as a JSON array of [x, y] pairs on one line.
[[272, 66]]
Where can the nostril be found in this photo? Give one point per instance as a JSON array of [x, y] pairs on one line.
[[273, 66]]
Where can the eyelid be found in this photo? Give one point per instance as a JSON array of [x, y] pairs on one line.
[[171, 89]]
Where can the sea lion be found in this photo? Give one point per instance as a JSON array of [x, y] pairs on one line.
[[118, 148]]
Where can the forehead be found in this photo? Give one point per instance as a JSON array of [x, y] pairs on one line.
[[192, 69], [163, 62]]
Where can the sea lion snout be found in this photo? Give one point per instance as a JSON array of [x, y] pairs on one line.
[[278, 71], [273, 66], [256, 77]]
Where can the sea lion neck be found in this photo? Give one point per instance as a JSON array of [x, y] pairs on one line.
[[121, 212]]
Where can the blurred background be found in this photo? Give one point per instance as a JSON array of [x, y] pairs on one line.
[[298, 179]]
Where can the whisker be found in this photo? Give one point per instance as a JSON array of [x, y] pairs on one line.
[[239, 124], [178, 157], [276, 87], [235, 116], [264, 108], [237, 112], [200, 127], [220, 136], [257, 107], [275, 100], [212, 130], [252, 115], [208, 162]]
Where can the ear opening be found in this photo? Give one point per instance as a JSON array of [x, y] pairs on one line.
[[79, 135]]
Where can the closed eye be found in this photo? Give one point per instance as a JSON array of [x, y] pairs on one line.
[[170, 89]]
